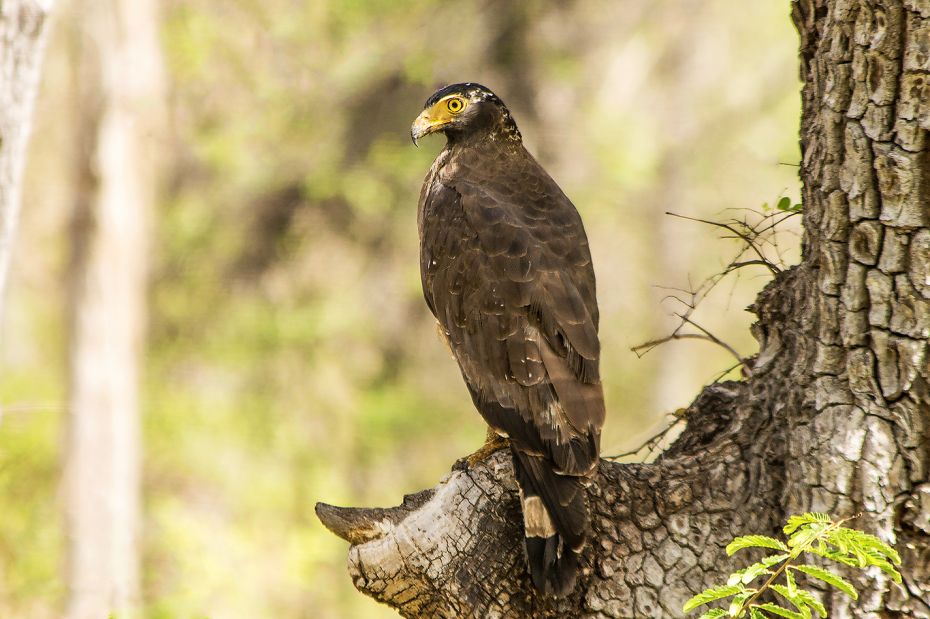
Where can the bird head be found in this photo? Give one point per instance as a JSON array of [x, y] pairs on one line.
[[463, 111]]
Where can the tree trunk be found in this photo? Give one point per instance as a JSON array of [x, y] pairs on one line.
[[835, 416], [119, 78], [23, 32]]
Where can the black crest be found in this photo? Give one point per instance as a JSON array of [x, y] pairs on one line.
[[477, 92]]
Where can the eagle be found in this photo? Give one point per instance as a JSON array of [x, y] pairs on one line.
[[506, 270]]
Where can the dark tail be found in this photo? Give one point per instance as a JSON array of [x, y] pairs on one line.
[[555, 517]]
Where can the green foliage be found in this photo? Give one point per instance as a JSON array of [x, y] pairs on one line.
[[784, 204], [813, 533], [754, 541], [711, 595]]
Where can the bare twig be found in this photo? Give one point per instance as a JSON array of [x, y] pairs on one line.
[[653, 441], [741, 235], [647, 346], [720, 375], [710, 336]]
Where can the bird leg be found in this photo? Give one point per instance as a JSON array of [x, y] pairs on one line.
[[492, 443]]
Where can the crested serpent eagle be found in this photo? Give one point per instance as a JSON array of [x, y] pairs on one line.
[[507, 272]]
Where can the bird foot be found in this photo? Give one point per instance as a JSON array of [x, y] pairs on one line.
[[493, 443]]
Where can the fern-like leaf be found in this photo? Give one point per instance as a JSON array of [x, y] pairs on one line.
[[809, 600], [775, 609], [710, 595], [736, 606], [885, 567], [789, 579], [813, 532], [809, 518], [754, 541], [773, 560], [866, 542], [801, 539], [833, 555], [794, 598], [754, 571], [828, 577]]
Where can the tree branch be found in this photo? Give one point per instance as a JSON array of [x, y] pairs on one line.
[[457, 550]]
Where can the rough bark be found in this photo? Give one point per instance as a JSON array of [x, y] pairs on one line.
[[23, 32], [120, 84], [835, 416]]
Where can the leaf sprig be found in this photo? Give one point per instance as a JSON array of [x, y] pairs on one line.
[[784, 204], [813, 533]]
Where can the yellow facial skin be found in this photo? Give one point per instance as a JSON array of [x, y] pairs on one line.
[[437, 116]]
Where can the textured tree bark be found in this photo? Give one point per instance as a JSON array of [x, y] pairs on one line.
[[23, 32], [835, 416], [119, 102]]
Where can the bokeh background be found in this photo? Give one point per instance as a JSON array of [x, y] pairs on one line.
[[290, 357]]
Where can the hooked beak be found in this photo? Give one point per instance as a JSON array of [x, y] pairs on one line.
[[424, 125]]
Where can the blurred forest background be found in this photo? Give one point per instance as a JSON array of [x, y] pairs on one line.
[[289, 356]]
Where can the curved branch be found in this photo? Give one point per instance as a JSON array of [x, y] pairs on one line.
[[358, 525], [658, 529]]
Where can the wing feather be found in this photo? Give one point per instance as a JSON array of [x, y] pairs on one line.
[[499, 274]]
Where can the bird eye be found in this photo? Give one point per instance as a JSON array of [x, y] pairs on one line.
[[455, 105]]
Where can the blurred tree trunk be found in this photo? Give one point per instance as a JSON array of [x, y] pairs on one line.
[[23, 32], [835, 417], [119, 78], [668, 246]]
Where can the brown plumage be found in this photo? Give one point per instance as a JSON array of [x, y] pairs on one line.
[[507, 272]]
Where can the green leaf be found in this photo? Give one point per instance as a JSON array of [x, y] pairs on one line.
[[754, 571], [775, 609], [792, 587], [833, 555], [784, 204], [736, 606], [802, 538], [773, 560], [809, 518], [807, 598], [861, 557], [813, 532], [828, 577], [888, 569], [802, 600], [870, 543], [794, 598], [747, 574], [754, 541], [710, 595]]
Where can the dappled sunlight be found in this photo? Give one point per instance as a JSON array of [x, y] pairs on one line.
[[290, 357]]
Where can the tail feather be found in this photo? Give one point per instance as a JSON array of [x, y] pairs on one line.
[[552, 569], [556, 518]]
